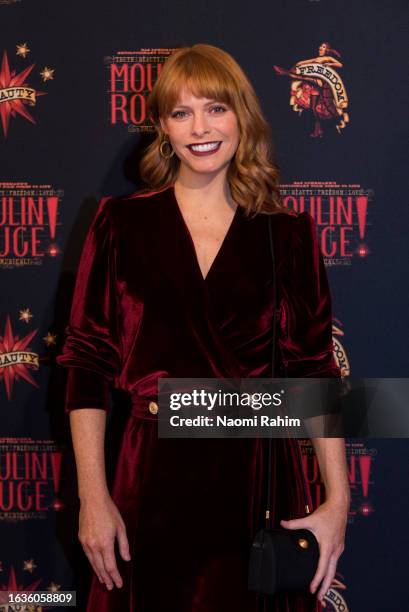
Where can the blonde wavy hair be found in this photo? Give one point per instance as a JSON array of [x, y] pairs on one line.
[[210, 72]]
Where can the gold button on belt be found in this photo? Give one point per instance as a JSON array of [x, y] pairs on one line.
[[153, 408]]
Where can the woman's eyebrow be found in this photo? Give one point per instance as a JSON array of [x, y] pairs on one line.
[[206, 104]]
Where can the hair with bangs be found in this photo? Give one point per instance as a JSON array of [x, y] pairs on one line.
[[208, 71]]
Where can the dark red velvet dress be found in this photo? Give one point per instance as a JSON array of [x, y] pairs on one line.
[[142, 310]]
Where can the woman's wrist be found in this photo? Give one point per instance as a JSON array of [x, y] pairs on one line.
[[339, 498], [94, 495]]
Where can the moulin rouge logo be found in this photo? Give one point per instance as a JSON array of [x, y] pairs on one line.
[[341, 214], [30, 478], [132, 74], [28, 223], [16, 93], [317, 87]]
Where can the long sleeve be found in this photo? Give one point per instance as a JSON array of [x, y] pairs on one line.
[[91, 345], [306, 312]]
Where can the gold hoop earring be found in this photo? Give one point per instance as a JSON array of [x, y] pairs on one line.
[[165, 142]]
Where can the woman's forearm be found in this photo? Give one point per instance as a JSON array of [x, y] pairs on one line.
[[88, 436], [332, 463]]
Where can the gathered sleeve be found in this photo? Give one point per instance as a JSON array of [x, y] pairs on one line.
[[306, 309], [90, 349]]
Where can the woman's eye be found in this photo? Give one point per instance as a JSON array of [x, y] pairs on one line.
[[218, 109], [178, 114]]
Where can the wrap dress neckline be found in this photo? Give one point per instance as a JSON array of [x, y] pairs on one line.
[[185, 230]]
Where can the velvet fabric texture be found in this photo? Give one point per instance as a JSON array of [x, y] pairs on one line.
[[142, 310]]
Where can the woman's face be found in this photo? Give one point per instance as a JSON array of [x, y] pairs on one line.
[[203, 133]]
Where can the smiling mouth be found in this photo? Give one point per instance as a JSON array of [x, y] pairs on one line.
[[205, 146]]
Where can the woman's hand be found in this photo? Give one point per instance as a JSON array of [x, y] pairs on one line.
[[328, 524], [99, 524]]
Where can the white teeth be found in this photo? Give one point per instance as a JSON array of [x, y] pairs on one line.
[[210, 146]]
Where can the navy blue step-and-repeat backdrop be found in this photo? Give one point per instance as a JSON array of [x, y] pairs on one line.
[[74, 77]]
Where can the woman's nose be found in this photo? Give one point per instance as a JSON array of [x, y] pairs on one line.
[[199, 124]]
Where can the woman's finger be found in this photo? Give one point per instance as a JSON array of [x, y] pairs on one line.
[[110, 564], [123, 543], [99, 563], [332, 568], [300, 523], [90, 558], [321, 569]]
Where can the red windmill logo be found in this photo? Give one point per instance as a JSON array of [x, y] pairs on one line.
[[15, 93]]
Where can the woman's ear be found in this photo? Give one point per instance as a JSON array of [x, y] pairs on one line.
[[162, 125]]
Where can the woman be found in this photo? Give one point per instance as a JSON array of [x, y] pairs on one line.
[[175, 281]]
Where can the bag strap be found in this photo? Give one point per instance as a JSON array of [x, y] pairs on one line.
[[270, 440]]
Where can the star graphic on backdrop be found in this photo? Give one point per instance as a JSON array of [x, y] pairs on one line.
[[25, 315], [50, 339], [11, 344], [47, 74], [53, 587], [29, 566], [10, 108], [22, 50]]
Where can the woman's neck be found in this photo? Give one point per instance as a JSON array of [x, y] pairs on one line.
[[204, 192]]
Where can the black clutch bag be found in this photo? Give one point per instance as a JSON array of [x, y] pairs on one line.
[[281, 559]]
